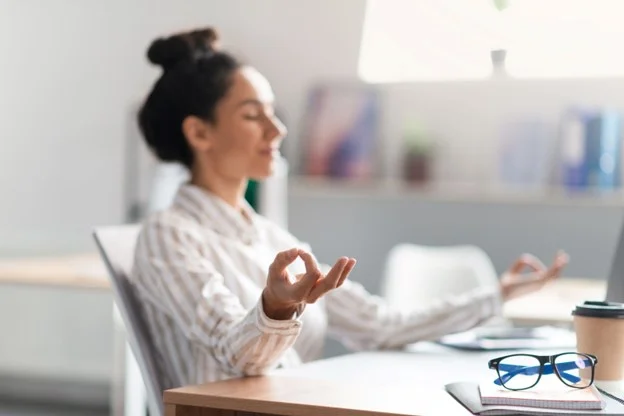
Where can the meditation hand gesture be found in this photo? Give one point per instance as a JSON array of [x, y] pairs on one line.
[[284, 294], [515, 282]]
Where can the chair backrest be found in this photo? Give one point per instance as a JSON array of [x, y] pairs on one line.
[[116, 245], [416, 274]]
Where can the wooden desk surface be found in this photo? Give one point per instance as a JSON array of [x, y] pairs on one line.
[[380, 383], [284, 395], [85, 271]]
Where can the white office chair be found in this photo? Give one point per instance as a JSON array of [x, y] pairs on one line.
[[416, 274], [116, 245]]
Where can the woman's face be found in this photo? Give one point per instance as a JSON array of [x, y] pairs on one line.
[[244, 140]]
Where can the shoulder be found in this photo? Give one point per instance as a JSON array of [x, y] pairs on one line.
[[167, 227], [169, 240]]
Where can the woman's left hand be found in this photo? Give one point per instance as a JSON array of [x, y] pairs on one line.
[[515, 282]]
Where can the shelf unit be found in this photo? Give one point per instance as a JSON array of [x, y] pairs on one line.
[[451, 192]]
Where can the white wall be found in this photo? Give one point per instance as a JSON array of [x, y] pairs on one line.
[[72, 70], [56, 333]]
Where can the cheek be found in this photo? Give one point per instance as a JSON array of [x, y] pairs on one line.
[[242, 139]]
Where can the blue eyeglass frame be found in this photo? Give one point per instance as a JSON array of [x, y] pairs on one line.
[[547, 366]]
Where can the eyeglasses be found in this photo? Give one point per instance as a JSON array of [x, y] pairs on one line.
[[524, 371]]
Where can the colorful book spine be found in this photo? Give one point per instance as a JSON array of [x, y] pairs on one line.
[[573, 150], [603, 151], [591, 147], [610, 156]]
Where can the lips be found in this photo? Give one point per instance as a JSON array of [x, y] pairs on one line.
[[270, 152]]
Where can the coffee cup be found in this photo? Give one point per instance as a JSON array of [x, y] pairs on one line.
[[599, 328]]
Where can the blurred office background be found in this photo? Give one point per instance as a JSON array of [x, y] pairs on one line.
[[494, 123]]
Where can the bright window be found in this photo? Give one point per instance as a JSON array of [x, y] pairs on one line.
[[423, 40]]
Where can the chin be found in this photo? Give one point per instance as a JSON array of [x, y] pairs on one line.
[[261, 175], [264, 170]]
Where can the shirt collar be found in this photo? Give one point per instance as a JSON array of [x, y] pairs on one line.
[[211, 211]]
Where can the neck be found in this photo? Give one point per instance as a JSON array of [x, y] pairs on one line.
[[230, 190]]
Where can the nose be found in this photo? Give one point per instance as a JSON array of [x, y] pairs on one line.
[[276, 129]]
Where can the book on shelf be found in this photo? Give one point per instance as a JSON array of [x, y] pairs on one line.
[[590, 150]]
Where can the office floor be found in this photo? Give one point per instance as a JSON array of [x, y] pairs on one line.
[[21, 409]]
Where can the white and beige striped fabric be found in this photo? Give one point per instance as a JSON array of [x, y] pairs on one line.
[[200, 267]]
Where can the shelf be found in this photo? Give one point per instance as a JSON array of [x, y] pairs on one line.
[[452, 192]]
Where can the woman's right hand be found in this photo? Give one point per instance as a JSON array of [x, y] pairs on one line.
[[285, 295]]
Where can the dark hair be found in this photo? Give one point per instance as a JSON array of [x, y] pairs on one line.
[[196, 76]]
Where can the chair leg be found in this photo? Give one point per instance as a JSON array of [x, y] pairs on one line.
[[119, 365], [135, 400], [128, 395]]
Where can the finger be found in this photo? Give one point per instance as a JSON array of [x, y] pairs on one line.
[[312, 275], [557, 267], [329, 282], [524, 261], [562, 258], [545, 276], [347, 270], [282, 260], [333, 276], [309, 261]]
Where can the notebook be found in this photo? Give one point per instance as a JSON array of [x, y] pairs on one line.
[[554, 395], [467, 394]]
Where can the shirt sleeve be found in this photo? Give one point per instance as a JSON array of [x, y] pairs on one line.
[[364, 321], [178, 274]]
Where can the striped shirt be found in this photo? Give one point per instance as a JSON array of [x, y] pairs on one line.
[[200, 268]]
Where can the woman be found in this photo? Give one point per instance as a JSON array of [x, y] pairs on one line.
[[226, 292]]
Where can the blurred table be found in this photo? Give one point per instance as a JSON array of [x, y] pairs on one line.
[[84, 271], [553, 304]]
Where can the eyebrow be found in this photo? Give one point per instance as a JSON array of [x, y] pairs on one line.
[[254, 102]]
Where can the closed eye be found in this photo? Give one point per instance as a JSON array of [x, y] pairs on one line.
[[256, 110]]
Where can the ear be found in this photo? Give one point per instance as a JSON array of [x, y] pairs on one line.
[[198, 133]]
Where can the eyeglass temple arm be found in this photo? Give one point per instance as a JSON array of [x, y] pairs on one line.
[[514, 370]]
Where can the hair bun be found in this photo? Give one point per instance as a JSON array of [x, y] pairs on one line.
[[183, 47]]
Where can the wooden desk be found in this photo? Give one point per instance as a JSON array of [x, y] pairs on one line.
[[380, 383], [78, 271], [280, 395]]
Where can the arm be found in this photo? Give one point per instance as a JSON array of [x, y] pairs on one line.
[[364, 321], [178, 274]]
